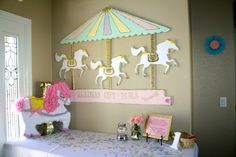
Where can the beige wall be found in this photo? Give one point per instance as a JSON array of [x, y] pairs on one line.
[[39, 11], [68, 15], [213, 76]]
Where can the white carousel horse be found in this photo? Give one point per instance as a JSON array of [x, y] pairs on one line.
[[113, 71], [35, 111], [75, 63], [162, 51]]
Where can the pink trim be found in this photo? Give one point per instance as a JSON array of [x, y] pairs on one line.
[[31, 135], [76, 33], [138, 21], [39, 112], [107, 26], [20, 104], [142, 97], [65, 130], [36, 135], [168, 100], [50, 100], [26, 135]]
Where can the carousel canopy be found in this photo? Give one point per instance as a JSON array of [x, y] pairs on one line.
[[111, 23]]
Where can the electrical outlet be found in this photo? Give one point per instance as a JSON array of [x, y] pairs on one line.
[[223, 101]]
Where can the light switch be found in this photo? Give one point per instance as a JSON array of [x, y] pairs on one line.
[[223, 101]]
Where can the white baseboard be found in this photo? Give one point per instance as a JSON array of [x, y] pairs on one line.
[[1, 152]]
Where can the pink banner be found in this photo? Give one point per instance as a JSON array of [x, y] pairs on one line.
[[153, 97]]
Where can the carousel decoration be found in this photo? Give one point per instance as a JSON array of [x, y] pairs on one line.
[[71, 64], [109, 24], [160, 57], [113, 71]]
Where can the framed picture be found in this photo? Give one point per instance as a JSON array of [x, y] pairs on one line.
[[158, 126]]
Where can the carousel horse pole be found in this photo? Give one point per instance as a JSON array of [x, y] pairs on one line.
[[108, 57], [72, 70], [153, 80]]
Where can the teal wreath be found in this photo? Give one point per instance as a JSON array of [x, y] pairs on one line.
[[218, 41]]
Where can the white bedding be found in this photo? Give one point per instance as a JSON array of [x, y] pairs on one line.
[[76, 143]]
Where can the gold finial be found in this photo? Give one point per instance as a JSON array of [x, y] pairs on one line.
[[172, 41], [144, 52], [106, 9], [100, 65], [83, 49], [122, 56]]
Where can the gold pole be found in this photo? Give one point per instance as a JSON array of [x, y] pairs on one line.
[[108, 57], [72, 70], [153, 83]]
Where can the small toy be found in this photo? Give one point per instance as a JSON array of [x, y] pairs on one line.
[[122, 132]]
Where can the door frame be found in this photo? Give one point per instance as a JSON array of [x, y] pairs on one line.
[[25, 61]]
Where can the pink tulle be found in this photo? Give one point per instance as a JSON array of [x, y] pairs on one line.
[[51, 99], [20, 104], [136, 120]]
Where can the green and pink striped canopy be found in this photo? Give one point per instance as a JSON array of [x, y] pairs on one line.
[[111, 23]]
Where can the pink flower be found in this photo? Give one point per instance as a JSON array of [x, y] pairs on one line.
[[136, 120], [20, 104]]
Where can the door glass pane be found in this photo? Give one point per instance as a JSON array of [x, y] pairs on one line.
[[11, 86]]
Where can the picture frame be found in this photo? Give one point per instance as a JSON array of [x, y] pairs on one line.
[[158, 126]]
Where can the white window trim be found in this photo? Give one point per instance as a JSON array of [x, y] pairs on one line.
[[25, 66], [25, 58]]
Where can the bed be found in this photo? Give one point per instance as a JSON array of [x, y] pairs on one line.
[[77, 143]]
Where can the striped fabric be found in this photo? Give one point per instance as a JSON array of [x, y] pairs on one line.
[[110, 24]]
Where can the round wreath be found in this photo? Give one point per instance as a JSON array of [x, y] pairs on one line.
[[215, 45]]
